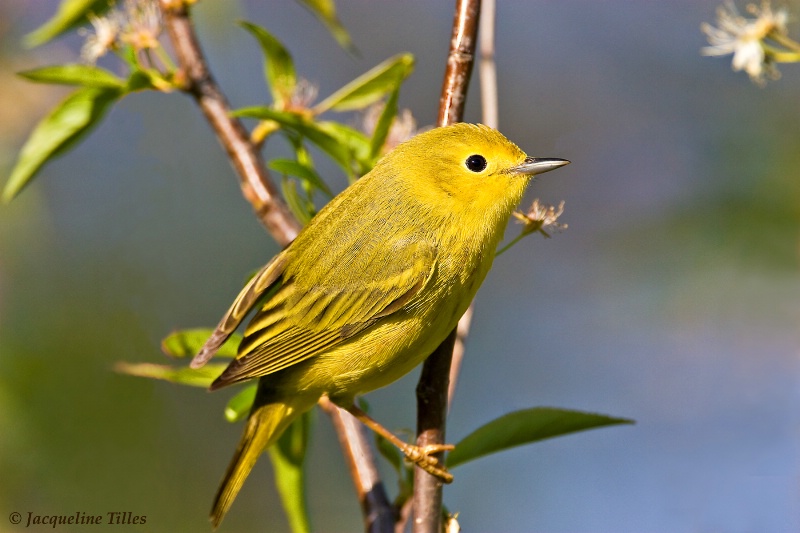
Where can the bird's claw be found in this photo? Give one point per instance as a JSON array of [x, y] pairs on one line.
[[422, 457]]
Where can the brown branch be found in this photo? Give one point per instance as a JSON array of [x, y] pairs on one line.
[[462, 331], [379, 516], [432, 389], [431, 417], [259, 190], [459, 62]]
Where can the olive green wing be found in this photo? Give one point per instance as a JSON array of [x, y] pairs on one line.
[[300, 320], [255, 289]]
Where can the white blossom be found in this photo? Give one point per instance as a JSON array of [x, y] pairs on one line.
[[743, 37], [104, 38]]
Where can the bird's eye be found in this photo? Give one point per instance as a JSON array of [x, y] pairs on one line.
[[476, 163]]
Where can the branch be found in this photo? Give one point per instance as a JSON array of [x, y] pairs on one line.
[[433, 383], [431, 418], [259, 190], [379, 516], [459, 62]]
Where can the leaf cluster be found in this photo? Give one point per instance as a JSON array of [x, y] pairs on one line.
[[99, 89], [353, 151]]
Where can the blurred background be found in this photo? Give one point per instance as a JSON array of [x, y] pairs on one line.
[[673, 298]]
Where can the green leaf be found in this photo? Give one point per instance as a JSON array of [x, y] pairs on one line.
[[523, 427], [149, 78], [129, 54], [290, 167], [74, 74], [301, 207], [57, 132], [300, 124], [288, 461], [239, 406], [370, 86], [325, 11], [356, 142], [383, 125], [195, 377], [187, 342], [139, 80], [70, 14], [278, 64]]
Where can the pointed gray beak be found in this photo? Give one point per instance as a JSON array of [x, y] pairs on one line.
[[539, 165]]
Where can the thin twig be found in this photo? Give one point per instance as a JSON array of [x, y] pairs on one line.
[[487, 70], [259, 190], [432, 389], [462, 331]]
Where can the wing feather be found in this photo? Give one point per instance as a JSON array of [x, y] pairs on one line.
[[302, 320], [244, 302]]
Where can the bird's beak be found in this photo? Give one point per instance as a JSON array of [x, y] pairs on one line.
[[539, 165]]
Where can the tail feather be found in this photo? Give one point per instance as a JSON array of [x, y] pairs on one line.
[[266, 423]]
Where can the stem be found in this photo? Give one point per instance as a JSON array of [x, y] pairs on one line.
[[165, 59], [259, 190], [514, 241], [784, 41], [433, 383], [785, 57]]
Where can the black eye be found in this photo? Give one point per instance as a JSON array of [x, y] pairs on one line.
[[476, 163]]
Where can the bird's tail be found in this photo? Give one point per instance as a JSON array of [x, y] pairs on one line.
[[266, 423]]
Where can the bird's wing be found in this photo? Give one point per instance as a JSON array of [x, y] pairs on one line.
[[300, 320], [250, 295]]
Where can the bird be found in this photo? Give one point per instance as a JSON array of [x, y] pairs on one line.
[[371, 286]]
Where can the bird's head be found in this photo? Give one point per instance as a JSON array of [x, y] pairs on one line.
[[466, 167]]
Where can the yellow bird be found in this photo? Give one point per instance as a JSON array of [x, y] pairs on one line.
[[372, 285]]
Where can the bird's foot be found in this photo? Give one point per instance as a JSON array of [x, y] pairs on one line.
[[423, 457]]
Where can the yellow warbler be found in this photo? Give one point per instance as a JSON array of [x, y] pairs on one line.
[[372, 285]]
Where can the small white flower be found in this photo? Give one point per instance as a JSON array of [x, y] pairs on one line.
[[744, 38], [541, 217], [143, 24], [104, 38]]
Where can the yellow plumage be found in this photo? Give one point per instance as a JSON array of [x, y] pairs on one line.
[[374, 282]]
